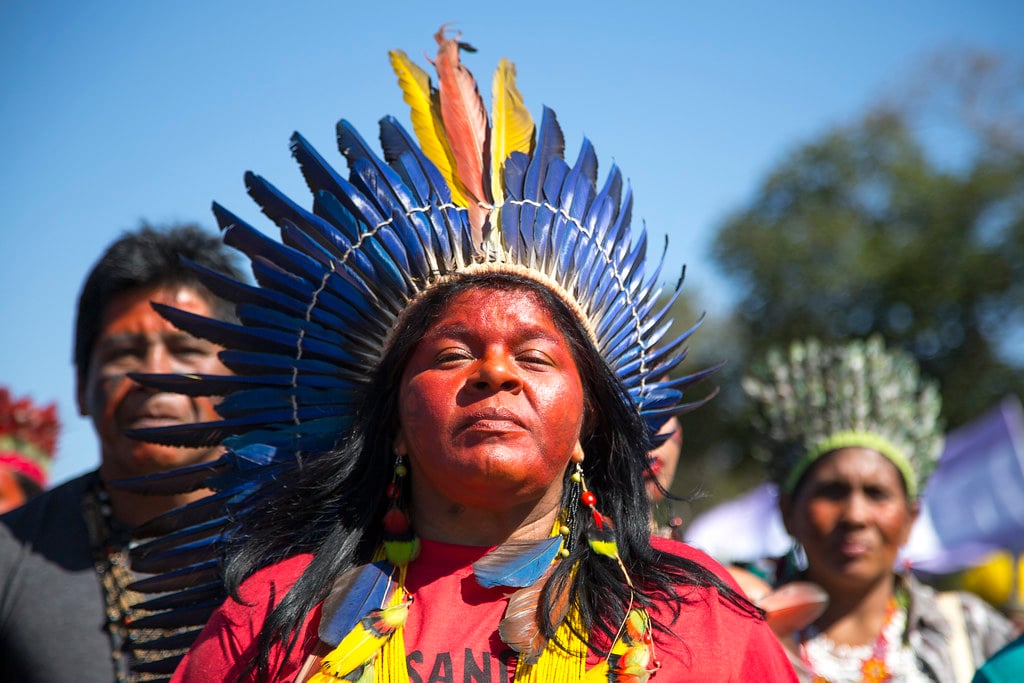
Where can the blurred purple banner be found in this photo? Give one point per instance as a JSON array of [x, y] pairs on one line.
[[974, 502]]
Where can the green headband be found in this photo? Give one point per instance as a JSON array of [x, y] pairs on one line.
[[849, 439]]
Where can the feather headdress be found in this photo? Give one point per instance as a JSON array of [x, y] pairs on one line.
[[28, 436], [476, 193], [815, 398]]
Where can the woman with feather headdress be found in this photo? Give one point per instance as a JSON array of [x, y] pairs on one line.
[[852, 432], [447, 386]]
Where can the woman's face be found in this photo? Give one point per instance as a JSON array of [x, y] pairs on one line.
[[491, 402], [851, 514]]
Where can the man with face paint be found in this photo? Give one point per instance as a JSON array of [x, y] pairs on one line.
[[64, 598]]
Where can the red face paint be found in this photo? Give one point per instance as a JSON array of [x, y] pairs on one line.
[[491, 403], [134, 338]]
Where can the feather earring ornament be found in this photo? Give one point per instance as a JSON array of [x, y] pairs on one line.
[[355, 594], [522, 629], [632, 656], [353, 659], [517, 564], [631, 659], [600, 530]]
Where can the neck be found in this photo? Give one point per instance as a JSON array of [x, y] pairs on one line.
[[856, 617], [450, 522]]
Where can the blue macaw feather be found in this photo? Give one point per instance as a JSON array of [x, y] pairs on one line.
[[204, 434], [275, 204], [177, 641], [319, 174], [354, 594], [554, 179], [244, 293], [578, 190], [565, 245], [618, 236], [244, 403], [260, 362], [309, 330], [305, 241], [192, 615], [193, 552], [242, 236], [586, 162], [212, 528], [347, 225], [269, 274], [550, 146], [227, 334], [313, 436], [205, 385], [516, 564], [178, 480], [396, 142], [178, 578], [384, 183], [515, 174], [196, 594], [413, 234]]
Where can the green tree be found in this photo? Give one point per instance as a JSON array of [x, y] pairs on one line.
[[877, 227]]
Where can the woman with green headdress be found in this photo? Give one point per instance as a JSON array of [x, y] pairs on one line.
[[852, 433]]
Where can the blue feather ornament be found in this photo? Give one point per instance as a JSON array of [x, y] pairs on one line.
[[354, 595], [516, 564]]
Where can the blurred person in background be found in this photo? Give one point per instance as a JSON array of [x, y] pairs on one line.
[[1005, 666], [28, 439], [64, 575], [852, 433]]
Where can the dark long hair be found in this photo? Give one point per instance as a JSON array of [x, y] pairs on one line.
[[333, 506]]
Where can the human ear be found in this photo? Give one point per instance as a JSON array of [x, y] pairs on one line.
[[398, 444]]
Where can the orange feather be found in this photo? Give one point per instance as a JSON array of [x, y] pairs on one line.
[[467, 127]]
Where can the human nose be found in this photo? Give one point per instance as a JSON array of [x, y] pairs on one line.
[[157, 360], [497, 372], [857, 509]]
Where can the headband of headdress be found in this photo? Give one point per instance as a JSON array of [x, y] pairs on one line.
[[816, 398], [28, 436], [477, 193]]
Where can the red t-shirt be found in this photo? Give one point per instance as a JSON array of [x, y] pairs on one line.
[[451, 633]]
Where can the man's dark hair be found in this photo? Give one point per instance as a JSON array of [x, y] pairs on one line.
[[149, 257]]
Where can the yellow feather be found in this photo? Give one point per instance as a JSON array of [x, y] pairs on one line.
[[364, 641], [599, 674], [511, 124], [426, 119]]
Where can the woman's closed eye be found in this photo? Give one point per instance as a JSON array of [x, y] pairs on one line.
[[534, 358], [452, 356]]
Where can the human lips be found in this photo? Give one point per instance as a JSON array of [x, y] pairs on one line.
[[153, 414], [853, 547], [491, 419]]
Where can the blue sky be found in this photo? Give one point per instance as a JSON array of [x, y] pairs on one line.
[[113, 112]]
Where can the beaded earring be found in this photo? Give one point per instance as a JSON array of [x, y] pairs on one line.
[[632, 654], [401, 545]]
